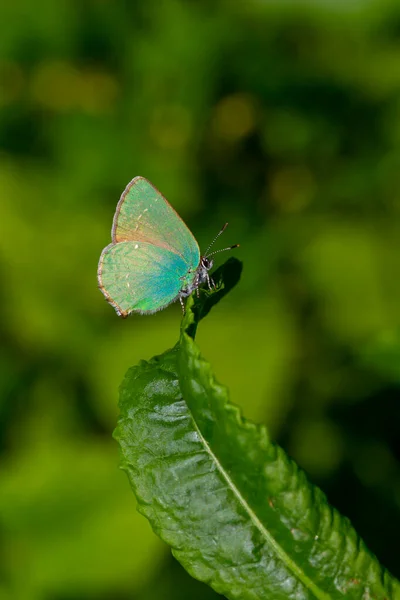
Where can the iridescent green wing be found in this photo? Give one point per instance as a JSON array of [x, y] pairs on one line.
[[141, 277], [144, 215]]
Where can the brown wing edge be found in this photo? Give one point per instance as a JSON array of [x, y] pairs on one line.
[[120, 312], [120, 203]]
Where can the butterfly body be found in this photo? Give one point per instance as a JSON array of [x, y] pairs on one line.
[[153, 259]]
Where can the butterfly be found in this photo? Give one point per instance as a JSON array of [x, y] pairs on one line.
[[153, 259]]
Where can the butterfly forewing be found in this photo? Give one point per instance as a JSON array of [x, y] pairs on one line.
[[144, 215]]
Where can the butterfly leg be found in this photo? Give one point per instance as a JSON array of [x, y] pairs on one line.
[[182, 304], [197, 284], [210, 281]]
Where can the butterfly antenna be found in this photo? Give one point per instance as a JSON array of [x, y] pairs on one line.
[[215, 239], [223, 249], [206, 254]]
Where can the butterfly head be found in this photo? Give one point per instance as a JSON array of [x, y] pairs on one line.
[[201, 274], [202, 270], [206, 263]]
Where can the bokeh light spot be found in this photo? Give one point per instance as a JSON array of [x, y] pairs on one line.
[[61, 87], [11, 81], [98, 91], [292, 188], [234, 117], [170, 126], [55, 85]]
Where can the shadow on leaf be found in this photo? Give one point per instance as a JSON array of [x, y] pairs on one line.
[[225, 278]]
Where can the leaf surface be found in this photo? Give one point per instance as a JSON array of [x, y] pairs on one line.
[[236, 510]]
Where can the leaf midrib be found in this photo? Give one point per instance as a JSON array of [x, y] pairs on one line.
[[290, 564]]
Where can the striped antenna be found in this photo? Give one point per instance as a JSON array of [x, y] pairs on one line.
[[223, 250], [215, 239]]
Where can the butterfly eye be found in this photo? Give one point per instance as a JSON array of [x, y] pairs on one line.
[[207, 263]]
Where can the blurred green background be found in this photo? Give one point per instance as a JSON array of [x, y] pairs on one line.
[[282, 118]]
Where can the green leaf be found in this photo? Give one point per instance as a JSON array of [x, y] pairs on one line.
[[237, 512]]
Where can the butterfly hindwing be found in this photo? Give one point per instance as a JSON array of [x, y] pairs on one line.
[[137, 276], [144, 215]]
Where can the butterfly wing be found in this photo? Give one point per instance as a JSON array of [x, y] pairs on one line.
[[137, 276], [144, 215]]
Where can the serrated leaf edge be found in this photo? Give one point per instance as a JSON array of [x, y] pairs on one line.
[[244, 423]]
